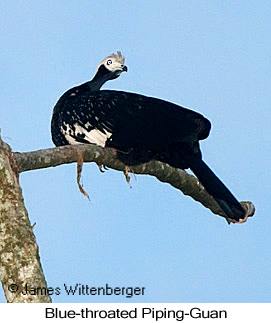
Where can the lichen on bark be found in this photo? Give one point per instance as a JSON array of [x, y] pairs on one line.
[[19, 257]]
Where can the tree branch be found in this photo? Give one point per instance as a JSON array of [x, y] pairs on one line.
[[188, 184], [19, 258]]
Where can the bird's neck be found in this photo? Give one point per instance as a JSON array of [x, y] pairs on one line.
[[96, 83], [99, 79]]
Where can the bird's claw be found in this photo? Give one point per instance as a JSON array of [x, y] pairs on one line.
[[102, 168]]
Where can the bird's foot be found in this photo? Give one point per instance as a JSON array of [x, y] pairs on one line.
[[250, 210], [229, 220], [102, 168]]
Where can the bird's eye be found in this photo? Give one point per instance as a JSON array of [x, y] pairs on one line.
[[109, 62]]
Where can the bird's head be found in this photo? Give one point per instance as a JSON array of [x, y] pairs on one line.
[[111, 67]]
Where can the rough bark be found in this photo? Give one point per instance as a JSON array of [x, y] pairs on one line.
[[19, 257]]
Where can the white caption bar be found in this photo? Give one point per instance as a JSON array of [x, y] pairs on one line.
[[160, 312]]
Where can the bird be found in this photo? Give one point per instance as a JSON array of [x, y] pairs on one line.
[[139, 128]]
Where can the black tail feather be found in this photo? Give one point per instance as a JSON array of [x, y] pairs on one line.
[[217, 189]]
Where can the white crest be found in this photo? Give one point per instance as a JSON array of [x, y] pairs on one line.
[[113, 62]]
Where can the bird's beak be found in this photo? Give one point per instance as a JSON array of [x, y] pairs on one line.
[[117, 73]]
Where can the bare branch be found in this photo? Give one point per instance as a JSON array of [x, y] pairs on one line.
[[188, 184]]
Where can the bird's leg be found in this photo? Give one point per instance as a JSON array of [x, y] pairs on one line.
[[113, 150], [127, 169], [80, 161]]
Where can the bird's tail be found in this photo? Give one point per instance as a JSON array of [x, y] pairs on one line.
[[217, 189]]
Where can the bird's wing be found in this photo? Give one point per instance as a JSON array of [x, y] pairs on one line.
[[151, 119], [128, 119]]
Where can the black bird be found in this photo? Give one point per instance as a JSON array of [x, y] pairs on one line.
[[140, 128]]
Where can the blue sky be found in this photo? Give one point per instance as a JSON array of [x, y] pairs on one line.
[[210, 56]]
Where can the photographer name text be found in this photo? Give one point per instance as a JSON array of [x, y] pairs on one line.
[[79, 290]]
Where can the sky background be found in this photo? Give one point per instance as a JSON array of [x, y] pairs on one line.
[[210, 56]]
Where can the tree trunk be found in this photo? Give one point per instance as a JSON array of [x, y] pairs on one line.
[[19, 256]]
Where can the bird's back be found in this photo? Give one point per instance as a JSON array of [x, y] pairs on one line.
[[132, 119]]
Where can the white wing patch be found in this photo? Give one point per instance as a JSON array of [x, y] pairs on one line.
[[93, 136], [67, 133]]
